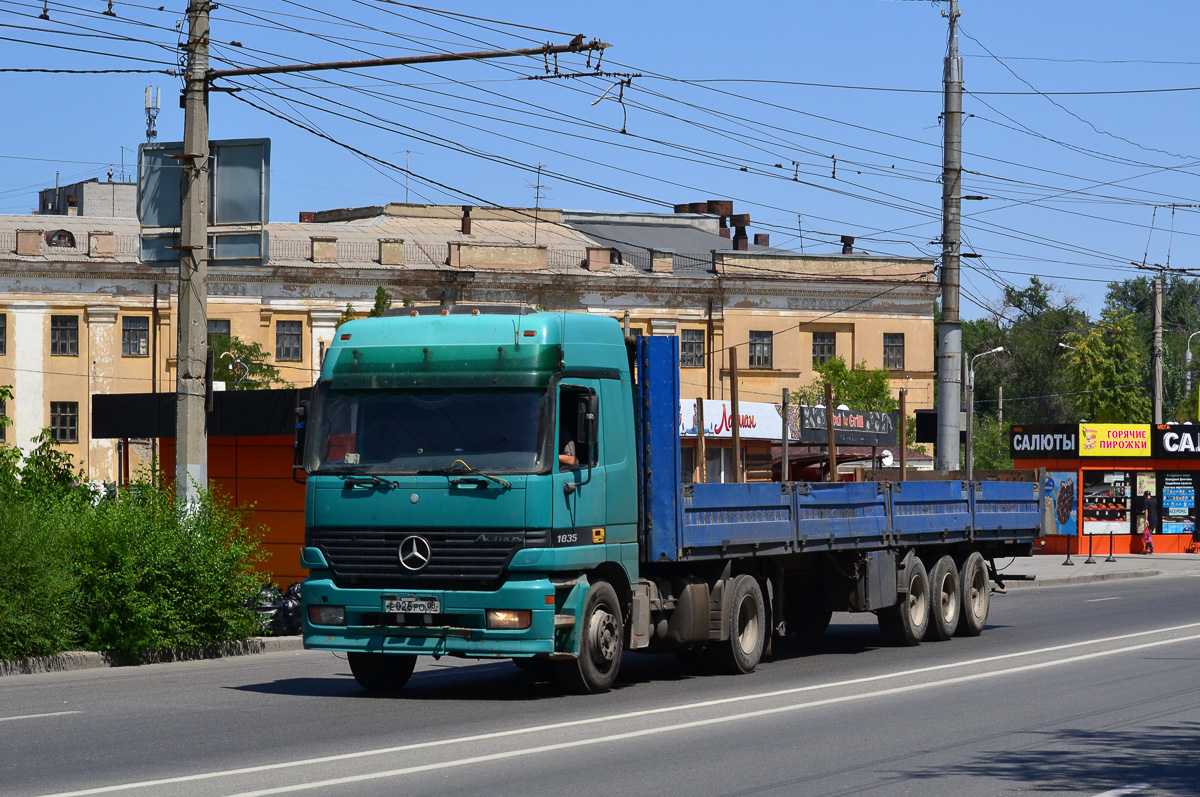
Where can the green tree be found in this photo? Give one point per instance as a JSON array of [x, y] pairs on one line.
[[860, 388], [349, 314], [1181, 317], [1029, 324], [242, 365], [383, 303], [1105, 369]]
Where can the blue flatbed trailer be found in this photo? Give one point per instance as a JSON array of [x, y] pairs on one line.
[[572, 564]]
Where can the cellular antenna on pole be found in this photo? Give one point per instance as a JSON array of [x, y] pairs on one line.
[[153, 100], [539, 191]]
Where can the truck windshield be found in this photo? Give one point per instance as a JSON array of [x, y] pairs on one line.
[[410, 431]]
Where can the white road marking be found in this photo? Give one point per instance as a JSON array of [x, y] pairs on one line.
[[38, 716], [662, 710], [1098, 600], [1121, 792]]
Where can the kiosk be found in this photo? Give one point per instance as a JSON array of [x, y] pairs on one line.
[[1097, 475]]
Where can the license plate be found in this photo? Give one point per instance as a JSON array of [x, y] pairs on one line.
[[412, 606]]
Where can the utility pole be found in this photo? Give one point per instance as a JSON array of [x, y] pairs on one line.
[[1000, 409], [191, 425], [950, 364], [1156, 356]]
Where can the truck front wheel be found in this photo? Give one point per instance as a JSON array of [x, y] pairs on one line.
[[747, 627], [600, 644], [381, 672]]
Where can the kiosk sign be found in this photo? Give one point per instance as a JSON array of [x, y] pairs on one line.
[[1114, 440], [1176, 441]]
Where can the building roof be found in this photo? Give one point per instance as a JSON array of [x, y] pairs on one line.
[[430, 238]]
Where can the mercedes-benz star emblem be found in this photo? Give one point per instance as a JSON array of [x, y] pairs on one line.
[[414, 553]]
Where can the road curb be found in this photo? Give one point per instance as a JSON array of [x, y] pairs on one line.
[[1091, 578], [90, 660]]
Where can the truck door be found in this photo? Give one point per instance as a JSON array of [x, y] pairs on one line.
[[579, 496]]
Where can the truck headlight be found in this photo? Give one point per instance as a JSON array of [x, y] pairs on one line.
[[508, 620], [327, 615]]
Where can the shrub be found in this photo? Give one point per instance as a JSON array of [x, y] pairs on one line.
[[38, 593], [155, 575], [130, 576]]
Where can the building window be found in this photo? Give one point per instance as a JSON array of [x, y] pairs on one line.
[[3, 334], [893, 350], [218, 328], [64, 421], [64, 335], [288, 335], [760, 350], [691, 348], [824, 347], [135, 336], [60, 238]]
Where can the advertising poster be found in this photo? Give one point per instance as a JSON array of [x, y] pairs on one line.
[[1114, 440], [1060, 502], [1178, 503]]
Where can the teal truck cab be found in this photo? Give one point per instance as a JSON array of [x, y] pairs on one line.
[[507, 484]]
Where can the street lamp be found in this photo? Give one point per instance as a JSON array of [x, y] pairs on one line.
[[970, 453], [1065, 346], [1187, 364]]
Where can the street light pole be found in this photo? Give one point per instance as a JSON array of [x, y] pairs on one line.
[[970, 453], [1187, 365]]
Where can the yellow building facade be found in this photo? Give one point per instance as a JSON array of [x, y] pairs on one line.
[[80, 315]]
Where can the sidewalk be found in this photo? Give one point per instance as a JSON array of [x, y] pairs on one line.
[[1051, 572]]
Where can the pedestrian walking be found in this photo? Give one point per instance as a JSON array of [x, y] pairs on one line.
[[1150, 513]]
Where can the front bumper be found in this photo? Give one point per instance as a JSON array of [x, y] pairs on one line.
[[460, 629]]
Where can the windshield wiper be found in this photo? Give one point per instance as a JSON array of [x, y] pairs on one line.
[[458, 466], [357, 476]]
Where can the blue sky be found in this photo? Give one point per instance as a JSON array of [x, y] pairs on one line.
[[1080, 185]]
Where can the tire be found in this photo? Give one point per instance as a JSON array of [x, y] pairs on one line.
[[381, 672], [601, 638], [905, 623], [976, 591], [747, 623], [945, 600]]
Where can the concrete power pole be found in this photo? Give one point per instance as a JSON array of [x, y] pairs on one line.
[[191, 433], [950, 366], [1156, 356]]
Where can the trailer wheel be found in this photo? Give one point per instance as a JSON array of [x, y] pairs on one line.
[[381, 672], [945, 600], [600, 643], [904, 624], [976, 596], [747, 620]]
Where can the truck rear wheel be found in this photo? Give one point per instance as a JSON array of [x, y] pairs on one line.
[[945, 600], [381, 672], [976, 596], [600, 644], [747, 621], [904, 624]]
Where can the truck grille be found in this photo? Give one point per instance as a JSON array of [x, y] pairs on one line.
[[459, 558]]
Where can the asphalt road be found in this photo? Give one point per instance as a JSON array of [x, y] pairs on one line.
[[1080, 690]]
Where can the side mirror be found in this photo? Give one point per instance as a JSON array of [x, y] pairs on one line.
[[588, 421]]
